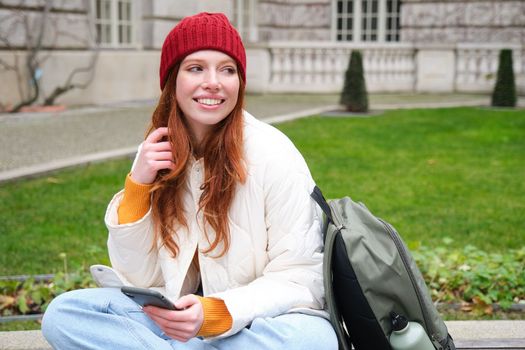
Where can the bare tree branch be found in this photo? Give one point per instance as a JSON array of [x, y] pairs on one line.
[[53, 42], [31, 60], [69, 85], [89, 68], [41, 32], [6, 66], [16, 21]]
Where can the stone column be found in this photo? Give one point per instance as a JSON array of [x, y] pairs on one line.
[[435, 68], [258, 69]]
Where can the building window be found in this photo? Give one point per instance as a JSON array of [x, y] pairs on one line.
[[369, 20], [392, 19], [345, 20], [114, 22], [366, 20]]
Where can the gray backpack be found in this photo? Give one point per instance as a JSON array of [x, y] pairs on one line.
[[368, 274]]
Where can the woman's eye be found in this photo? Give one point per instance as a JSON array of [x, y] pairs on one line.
[[195, 69], [230, 70]]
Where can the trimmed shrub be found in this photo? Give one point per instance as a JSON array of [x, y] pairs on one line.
[[504, 94], [354, 95]]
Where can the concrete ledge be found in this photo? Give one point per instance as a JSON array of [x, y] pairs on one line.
[[490, 344], [484, 335], [23, 340], [468, 335], [478, 330]]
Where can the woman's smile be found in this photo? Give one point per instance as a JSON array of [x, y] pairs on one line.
[[209, 101]]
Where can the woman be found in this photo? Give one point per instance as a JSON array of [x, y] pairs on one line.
[[217, 204]]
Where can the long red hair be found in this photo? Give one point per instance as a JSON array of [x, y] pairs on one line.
[[222, 153]]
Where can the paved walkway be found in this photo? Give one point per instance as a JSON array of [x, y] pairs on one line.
[[35, 143]]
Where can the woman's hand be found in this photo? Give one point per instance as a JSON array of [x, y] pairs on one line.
[[180, 325], [153, 156]]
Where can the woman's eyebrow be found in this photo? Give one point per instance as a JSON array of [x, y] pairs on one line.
[[204, 61]]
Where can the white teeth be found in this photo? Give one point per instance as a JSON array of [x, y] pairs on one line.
[[209, 101]]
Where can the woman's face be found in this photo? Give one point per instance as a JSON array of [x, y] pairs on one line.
[[207, 89]]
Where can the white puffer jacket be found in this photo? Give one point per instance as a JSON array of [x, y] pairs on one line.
[[274, 263]]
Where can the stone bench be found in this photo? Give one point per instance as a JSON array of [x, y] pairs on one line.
[[482, 335], [468, 335]]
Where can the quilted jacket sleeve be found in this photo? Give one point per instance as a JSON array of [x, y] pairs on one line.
[[130, 248], [292, 279]]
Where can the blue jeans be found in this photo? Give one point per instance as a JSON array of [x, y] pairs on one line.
[[104, 318]]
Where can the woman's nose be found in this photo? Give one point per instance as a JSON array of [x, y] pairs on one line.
[[211, 81]]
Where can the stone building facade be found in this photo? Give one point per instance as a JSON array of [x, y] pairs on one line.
[[292, 45], [294, 20], [466, 21]]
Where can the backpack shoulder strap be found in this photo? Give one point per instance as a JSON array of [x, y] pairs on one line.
[[335, 316], [329, 241], [318, 197]]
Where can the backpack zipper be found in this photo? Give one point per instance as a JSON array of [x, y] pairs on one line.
[[404, 257]]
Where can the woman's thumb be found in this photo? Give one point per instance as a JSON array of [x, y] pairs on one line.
[[186, 301]]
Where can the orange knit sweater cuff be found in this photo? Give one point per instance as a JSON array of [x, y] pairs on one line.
[[217, 318], [135, 203]]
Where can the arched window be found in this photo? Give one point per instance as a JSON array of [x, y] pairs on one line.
[[366, 20]]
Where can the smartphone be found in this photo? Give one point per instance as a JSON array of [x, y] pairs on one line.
[[105, 276], [145, 297]]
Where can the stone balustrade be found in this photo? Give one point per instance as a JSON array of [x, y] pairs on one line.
[[311, 67], [477, 65], [320, 66]]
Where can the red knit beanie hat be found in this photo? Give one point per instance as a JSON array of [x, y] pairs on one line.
[[204, 31]]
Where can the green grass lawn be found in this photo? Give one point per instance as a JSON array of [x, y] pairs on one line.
[[455, 173], [433, 173], [62, 213]]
